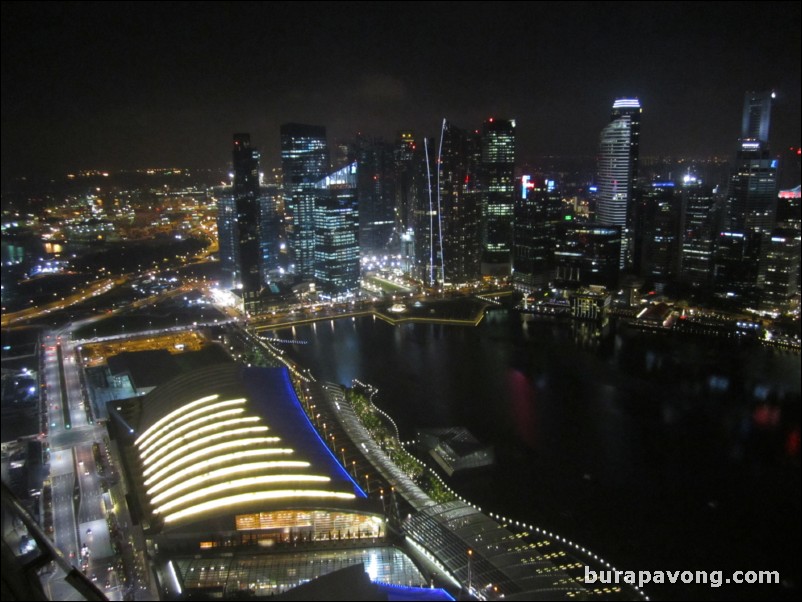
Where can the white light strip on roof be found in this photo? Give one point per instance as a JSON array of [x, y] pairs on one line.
[[256, 496], [248, 430], [213, 449], [253, 467], [208, 492], [152, 429], [626, 103], [233, 457], [203, 419], [211, 427], [170, 426]]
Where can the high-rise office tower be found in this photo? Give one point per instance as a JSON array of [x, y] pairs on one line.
[[336, 222], [698, 227], [753, 186], [660, 232], [407, 158], [619, 147], [305, 161], [238, 220], [781, 252], [376, 183], [271, 204], [459, 204], [498, 188], [736, 266], [428, 265], [538, 215], [752, 202]]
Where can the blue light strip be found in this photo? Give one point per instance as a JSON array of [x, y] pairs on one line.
[[324, 445], [413, 593]]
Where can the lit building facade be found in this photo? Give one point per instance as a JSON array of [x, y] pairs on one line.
[[619, 148], [782, 257], [376, 191], [305, 161], [238, 220], [660, 234], [498, 189], [696, 258], [538, 215], [752, 198], [588, 255], [459, 205], [336, 251]]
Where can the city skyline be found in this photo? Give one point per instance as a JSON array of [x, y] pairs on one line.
[[89, 86]]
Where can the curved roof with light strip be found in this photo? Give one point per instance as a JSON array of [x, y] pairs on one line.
[[234, 440]]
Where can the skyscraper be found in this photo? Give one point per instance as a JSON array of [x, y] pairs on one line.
[[238, 220], [305, 161], [697, 232], [619, 147], [336, 221], [753, 186], [459, 204], [498, 186], [752, 203], [538, 215], [376, 183], [660, 237]]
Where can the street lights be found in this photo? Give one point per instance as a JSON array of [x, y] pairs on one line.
[[470, 556]]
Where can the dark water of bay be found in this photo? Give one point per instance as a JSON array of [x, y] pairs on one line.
[[655, 451]]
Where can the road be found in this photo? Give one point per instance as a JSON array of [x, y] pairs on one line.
[[79, 513]]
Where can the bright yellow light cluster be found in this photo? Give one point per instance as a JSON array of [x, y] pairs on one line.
[[209, 492], [255, 496], [153, 454], [251, 467], [212, 451], [236, 456], [144, 437], [248, 430], [173, 427]]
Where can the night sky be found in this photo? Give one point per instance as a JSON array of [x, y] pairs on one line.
[[116, 86]]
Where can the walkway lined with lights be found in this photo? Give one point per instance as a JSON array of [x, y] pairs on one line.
[[360, 436]]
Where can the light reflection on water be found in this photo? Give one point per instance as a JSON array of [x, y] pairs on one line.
[[653, 449]]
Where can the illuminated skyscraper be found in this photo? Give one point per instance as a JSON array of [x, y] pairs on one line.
[[660, 238], [459, 205], [752, 206], [336, 222], [753, 186], [538, 215], [376, 183], [238, 220], [619, 147], [498, 185], [697, 232], [305, 161]]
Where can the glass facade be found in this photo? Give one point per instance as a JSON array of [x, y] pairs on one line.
[[238, 220], [498, 164], [697, 232], [336, 250], [619, 146], [459, 204], [275, 573], [310, 525], [538, 214], [305, 160]]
